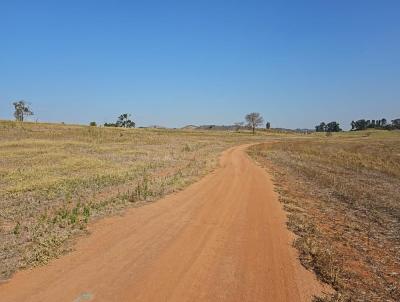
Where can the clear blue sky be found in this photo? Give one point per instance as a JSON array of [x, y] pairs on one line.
[[201, 62]]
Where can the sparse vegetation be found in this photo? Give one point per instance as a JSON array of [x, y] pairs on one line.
[[342, 196], [57, 178]]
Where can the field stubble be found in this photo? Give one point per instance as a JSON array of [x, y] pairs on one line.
[[342, 194]]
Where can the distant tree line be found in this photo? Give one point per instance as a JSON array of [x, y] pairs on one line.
[[375, 124], [329, 127], [253, 120]]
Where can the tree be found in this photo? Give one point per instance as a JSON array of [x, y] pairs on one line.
[[321, 127], [268, 125], [396, 123], [93, 124], [21, 110], [254, 120], [360, 124], [333, 127], [330, 127], [124, 121]]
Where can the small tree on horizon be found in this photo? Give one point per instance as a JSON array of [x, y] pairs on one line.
[[330, 127], [254, 120], [124, 121], [21, 110]]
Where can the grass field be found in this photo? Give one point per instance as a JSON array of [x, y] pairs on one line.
[[342, 194], [54, 179]]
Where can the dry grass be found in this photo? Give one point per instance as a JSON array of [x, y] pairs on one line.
[[54, 179], [342, 194]]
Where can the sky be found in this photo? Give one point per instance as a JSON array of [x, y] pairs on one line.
[[174, 63]]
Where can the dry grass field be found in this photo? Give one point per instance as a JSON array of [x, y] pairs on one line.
[[342, 194], [54, 179]]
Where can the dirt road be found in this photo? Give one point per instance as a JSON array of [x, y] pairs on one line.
[[222, 239]]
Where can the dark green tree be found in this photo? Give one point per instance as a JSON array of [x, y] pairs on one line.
[[396, 123], [321, 127], [330, 127], [361, 125], [21, 110], [124, 121], [333, 127]]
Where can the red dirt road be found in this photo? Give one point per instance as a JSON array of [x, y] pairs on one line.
[[222, 239]]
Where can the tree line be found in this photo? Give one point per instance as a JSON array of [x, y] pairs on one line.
[[253, 121], [360, 125], [375, 124]]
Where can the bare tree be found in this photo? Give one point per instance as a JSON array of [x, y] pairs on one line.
[[254, 120], [21, 110]]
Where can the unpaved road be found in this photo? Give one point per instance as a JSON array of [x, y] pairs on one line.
[[222, 239]]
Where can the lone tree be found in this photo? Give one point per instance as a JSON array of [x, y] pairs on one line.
[[21, 110], [124, 121], [254, 120], [268, 125]]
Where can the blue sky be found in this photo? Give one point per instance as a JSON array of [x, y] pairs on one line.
[[174, 63]]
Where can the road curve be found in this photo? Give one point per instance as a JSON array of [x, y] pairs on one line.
[[222, 239]]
